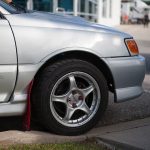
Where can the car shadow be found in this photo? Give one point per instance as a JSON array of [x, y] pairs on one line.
[[11, 123], [16, 123]]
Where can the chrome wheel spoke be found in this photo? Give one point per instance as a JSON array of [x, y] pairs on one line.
[[69, 113], [61, 98], [85, 108], [72, 80], [88, 90]]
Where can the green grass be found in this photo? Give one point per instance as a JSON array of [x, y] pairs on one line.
[[67, 146]]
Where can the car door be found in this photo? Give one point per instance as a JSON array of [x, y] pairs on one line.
[[8, 61]]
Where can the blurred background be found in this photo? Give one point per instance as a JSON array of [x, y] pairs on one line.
[[106, 12]]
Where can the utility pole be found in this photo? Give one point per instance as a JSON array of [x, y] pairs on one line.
[[87, 9], [99, 10], [55, 5], [30, 4], [75, 7]]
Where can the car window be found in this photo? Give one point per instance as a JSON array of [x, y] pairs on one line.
[[8, 7]]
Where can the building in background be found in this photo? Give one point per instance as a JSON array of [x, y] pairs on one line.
[[105, 12]]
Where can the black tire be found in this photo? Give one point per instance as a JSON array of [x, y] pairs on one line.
[[43, 85]]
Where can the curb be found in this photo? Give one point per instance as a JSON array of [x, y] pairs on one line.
[[115, 144]]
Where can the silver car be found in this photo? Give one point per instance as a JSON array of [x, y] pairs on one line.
[[66, 67]]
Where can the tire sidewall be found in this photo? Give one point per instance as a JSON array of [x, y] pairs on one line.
[[49, 82]]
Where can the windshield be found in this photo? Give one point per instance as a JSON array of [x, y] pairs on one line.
[[12, 8]]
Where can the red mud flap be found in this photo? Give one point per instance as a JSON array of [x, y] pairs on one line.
[[27, 116]]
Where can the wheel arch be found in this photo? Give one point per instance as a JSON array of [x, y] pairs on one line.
[[86, 56]]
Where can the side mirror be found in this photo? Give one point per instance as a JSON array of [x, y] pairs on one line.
[[1, 15]]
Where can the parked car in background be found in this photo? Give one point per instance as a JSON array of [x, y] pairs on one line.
[[72, 63]]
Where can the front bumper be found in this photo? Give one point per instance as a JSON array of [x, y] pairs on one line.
[[128, 74]]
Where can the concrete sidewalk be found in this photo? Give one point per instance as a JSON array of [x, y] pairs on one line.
[[128, 135]]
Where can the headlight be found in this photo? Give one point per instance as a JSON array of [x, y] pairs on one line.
[[132, 46]]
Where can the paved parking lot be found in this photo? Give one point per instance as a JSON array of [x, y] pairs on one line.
[[130, 110]]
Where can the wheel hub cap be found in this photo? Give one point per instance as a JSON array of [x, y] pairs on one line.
[[75, 99]]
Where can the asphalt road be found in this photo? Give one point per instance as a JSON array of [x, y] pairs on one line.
[[130, 110]]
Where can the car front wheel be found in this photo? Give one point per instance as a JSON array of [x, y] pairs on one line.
[[69, 97]]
